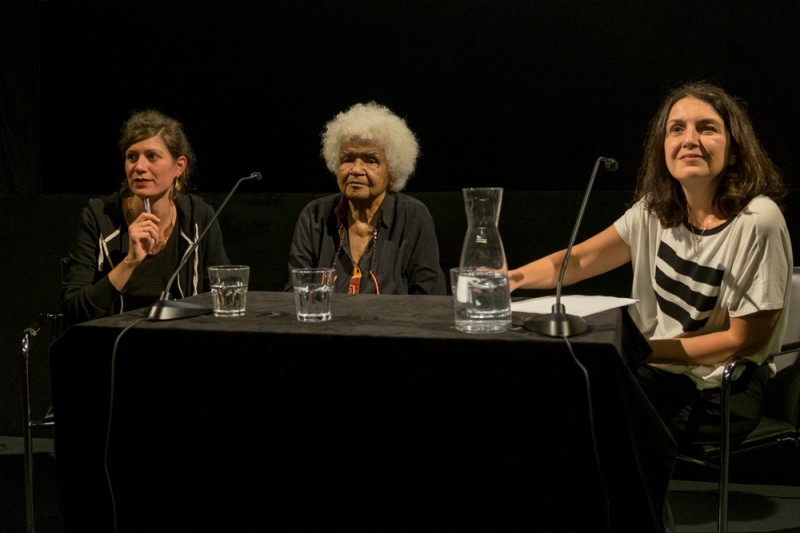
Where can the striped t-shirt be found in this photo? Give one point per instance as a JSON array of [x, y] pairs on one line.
[[688, 280]]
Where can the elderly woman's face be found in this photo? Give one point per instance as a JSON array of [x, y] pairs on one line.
[[363, 173]]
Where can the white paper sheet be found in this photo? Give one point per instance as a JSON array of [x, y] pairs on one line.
[[573, 304]]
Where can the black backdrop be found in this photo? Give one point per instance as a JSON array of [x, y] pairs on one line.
[[521, 94], [512, 93]]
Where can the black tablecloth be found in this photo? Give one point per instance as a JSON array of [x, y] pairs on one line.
[[383, 419]]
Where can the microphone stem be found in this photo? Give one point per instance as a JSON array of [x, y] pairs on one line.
[[557, 307], [196, 243]]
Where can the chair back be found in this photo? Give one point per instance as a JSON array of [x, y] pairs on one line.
[[782, 397], [792, 333]]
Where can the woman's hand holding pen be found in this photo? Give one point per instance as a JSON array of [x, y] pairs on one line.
[[143, 234]]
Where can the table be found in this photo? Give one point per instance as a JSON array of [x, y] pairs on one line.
[[383, 419]]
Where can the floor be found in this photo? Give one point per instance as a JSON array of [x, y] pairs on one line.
[[12, 487], [753, 508]]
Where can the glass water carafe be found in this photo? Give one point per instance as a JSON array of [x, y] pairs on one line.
[[481, 297]]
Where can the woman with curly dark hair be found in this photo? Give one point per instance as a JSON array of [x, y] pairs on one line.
[[711, 258], [749, 171]]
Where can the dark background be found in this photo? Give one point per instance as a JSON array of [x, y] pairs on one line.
[[520, 94]]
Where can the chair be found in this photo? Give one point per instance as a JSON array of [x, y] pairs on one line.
[[781, 421], [54, 322]]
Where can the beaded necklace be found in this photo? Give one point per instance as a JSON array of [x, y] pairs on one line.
[[354, 286]]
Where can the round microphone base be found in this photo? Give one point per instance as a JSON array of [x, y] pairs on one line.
[[556, 325], [170, 310]]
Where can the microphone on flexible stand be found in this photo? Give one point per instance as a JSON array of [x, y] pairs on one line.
[[164, 309], [559, 323]]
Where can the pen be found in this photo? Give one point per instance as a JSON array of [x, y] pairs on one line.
[[147, 209]]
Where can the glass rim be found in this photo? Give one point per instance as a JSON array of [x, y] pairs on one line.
[[228, 267]]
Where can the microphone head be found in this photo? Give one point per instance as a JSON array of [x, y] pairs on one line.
[[611, 164], [256, 176]]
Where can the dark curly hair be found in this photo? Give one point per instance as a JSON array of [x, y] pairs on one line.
[[752, 173]]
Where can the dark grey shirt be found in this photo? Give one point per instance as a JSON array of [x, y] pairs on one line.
[[403, 259]]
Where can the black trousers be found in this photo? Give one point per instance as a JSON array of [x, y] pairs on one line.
[[693, 415]]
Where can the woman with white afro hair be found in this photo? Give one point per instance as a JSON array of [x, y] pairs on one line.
[[379, 240], [375, 123]]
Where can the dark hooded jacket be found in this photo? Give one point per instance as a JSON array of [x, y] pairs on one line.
[[102, 242]]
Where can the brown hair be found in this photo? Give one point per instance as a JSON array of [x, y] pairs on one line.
[[145, 124], [752, 173]]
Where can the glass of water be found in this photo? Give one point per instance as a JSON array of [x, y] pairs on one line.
[[313, 290], [229, 289], [481, 302]]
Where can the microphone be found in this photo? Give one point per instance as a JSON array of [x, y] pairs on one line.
[[559, 323], [164, 309]]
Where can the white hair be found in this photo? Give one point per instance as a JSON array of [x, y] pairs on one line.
[[374, 123]]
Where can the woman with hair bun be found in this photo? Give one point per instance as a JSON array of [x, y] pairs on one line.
[[129, 243]]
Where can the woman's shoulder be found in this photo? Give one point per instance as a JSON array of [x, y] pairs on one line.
[[639, 211], [408, 202], [193, 203], [763, 203], [763, 210], [192, 198], [322, 204], [104, 208], [762, 215], [112, 200]]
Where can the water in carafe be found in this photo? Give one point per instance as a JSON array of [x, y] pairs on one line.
[[481, 297]]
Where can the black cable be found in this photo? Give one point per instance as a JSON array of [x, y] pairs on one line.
[[108, 425], [592, 431]]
